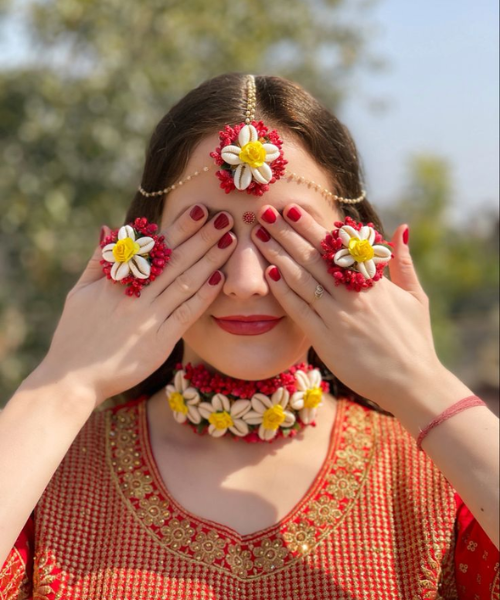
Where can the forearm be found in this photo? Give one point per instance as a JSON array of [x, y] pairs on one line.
[[465, 447], [37, 427]]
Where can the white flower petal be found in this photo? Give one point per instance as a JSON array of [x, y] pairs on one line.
[[180, 417], [242, 177], [262, 174], [267, 434], [346, 232], [179, 381], [206, 409], [289, 419], [221, 402], [302, 380], [260, 403], [194, 415], [248, 133], [307, 415], [297, 400], [272, 152], [253, 417], [343, 258], [315, 378], [191, 396], [126, 232], [367, 268], [240, 428], [371, 237], [169, 390], [364, 232], [140, 267], [120, 270], [231, 155], [240, 408], [146, 244], [213, 431], [382, 252], [107, 253], [280, 396]]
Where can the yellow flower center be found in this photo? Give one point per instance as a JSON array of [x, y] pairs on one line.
[[253, 154], [177, 404], [221, 420], [312, 397], [361, 250], [273, 417], [125, 249]]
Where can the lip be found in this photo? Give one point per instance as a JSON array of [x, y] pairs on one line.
[[247, 324]]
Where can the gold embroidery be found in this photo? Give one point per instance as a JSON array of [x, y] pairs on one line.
[[463, 567], [300, 537], [43, 579], [239, 560], [153, 511], [323, 511], [177, 534], [472, 546], [270, 554], [207, 547]]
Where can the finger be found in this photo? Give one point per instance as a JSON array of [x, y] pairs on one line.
[[188, 283], [93, 271], [188, 312], [191, 251], [299, 310], [401, 268], [186, 225]]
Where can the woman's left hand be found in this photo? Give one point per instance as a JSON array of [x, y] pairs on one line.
[[375, 341]]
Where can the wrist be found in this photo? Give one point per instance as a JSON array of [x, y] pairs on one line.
[[426, 396]]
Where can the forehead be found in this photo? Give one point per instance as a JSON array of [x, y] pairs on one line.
[[205, 189]]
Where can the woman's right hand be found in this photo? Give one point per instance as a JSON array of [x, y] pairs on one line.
[[111, 342]]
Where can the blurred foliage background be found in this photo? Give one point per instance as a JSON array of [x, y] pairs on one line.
[[75, 123]]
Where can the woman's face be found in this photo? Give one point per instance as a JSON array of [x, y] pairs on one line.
[[245, 290]]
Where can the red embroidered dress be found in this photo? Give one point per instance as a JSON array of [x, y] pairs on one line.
[[379, 522]]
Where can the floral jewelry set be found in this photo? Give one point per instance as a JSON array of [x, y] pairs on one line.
[[249, 159]]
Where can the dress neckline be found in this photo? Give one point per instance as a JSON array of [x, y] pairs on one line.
[[245, 538], [334, 492]]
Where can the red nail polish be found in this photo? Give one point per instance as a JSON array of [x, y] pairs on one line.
[[196, 213], [263, 235], [268, 216], [274, 274], [216, 277], [221, 221], [293, 214], [225, 241], [102, 234], [406, 235]]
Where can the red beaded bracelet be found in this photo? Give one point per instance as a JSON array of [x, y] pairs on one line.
[[449, 412]]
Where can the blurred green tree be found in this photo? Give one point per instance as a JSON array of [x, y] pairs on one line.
[[76, 119]]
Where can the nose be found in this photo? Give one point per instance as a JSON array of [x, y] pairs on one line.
[[244, 271]]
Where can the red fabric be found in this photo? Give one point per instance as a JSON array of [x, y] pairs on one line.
[[16, 574], [476, 558]]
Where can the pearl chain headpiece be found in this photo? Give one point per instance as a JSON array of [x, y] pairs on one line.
[[250, 158]]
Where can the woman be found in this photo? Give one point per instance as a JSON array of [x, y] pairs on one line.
[[233, 328]]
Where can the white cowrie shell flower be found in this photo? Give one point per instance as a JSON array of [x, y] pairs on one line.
[[251, 158], [129, 250], [309, 395], [359, 250], [270, 413], [222, 415], [183, 400]]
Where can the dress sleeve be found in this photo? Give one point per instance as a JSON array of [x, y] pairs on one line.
[[16, 574], [476, 558]]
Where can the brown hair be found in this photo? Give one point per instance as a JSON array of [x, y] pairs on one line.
[[280, 103]]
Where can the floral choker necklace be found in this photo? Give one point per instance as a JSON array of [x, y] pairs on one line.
[[251, 410]]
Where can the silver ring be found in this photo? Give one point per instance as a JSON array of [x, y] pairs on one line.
[[319, 291]]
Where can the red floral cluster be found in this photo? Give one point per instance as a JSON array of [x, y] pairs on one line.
[[229, 136], [209, 384], [158, 257], [353, 280]]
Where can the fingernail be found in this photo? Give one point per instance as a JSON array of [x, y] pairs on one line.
[[102, 234], [268, 216], [406, 235], [196, 213], [221, 221], [274, 274], [263, 235], [216, 277], [225, 241], [294, 214]]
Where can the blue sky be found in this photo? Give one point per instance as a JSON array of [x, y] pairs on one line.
[[441, 92], [442, 95]]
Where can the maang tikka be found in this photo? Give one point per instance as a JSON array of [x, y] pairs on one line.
[[250, 158]]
